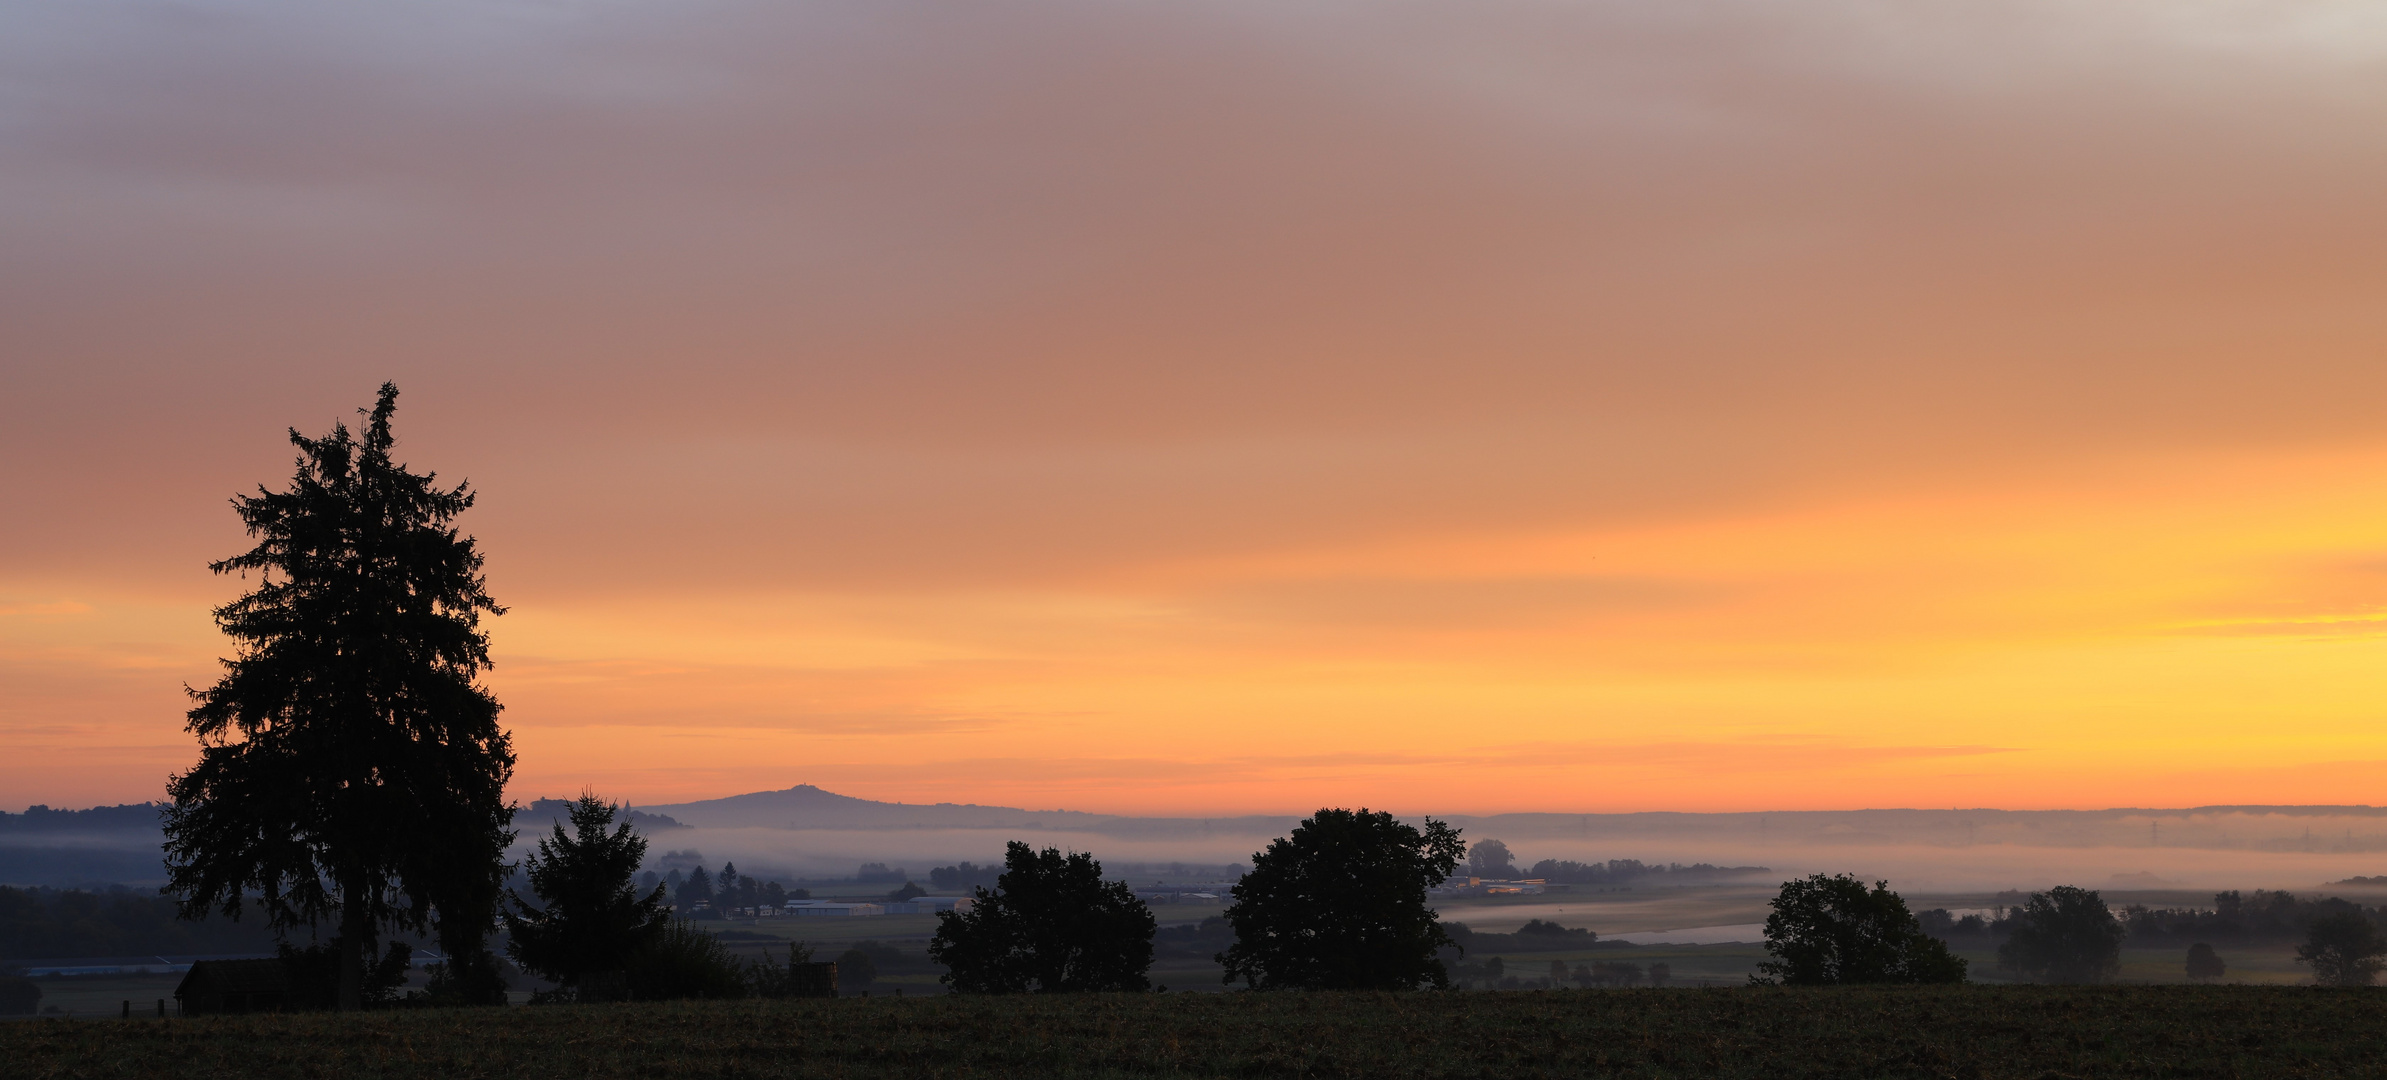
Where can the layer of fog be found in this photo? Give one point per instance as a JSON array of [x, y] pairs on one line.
[[2184, 852]]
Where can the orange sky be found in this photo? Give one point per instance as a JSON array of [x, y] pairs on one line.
[[1244, 407]]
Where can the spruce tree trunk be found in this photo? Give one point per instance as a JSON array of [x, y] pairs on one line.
[[356, 929]]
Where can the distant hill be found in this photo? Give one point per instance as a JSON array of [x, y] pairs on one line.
[[807, 807]]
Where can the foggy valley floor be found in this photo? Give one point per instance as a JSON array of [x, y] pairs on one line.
[[2270, 963], [1961, 1031]]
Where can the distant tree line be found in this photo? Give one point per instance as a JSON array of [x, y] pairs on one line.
[[700, 895], [964, 876], [39, 924], [2260, 916], [1536, 935], [1493, 860]]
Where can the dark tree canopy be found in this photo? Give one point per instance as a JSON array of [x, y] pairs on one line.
[[2064, 935], [590, 917], [1051, 924], [1827, 930], [350, 762], [2344, 949], [2204, 965], [1491, 859], [1341, 904]]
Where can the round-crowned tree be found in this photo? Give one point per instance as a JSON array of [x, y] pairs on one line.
[[2204, 965], [1050, 925], [2064, 935], [1341, 904], [1827, 930], [2344, 949]]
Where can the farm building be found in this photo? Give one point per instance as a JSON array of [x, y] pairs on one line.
[[235, 986]]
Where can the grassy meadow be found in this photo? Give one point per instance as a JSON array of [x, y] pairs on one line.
[[1978, 1031]]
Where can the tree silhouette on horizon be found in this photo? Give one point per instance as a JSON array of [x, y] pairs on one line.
[[2066, 935], [1341, 905], [351, 767], [1050, 925], [591, 918], [1830, 929]]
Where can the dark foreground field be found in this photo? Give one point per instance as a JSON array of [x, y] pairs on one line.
[[1923, 1032]]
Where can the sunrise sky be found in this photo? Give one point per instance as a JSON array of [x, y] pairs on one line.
[[1233, 407]]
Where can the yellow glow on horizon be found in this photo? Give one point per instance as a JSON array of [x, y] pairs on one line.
[[2155, 633], [2114, 640]]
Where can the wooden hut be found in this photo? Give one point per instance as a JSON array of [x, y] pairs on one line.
[[235, 986]]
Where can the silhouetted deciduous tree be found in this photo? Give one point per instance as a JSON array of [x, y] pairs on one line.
[[1827, 930], [1051, 924], [856, 970], [350, 765], [590, 917], [1341, 904], [1491, 859], [2344, 949], [2064, 935], [2204, 965]]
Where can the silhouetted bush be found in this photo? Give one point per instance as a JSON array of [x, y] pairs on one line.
[[681, 961], [770, 978], [19, 996]]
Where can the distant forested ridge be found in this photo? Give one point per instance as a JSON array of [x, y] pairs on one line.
[[542, 813], [41, 819]]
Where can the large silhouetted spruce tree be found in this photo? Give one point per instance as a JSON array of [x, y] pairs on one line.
[[1341, 905], [351, 767]]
